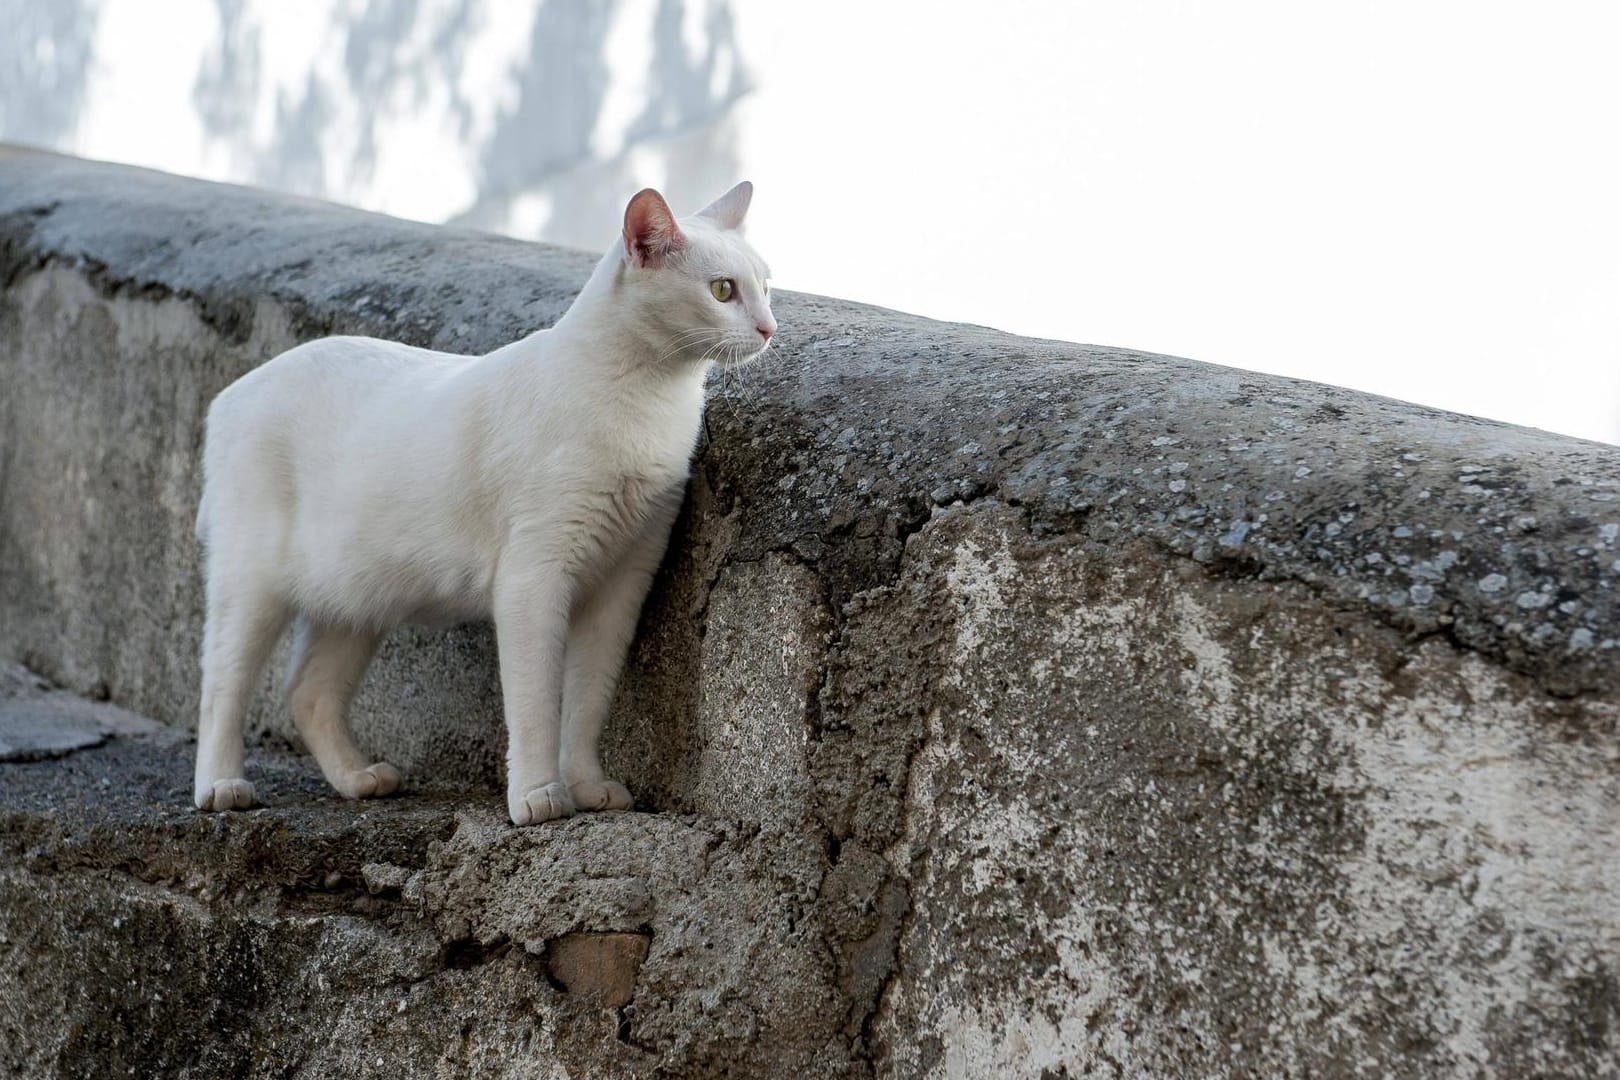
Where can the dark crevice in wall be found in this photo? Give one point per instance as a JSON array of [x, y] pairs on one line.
[[17, 256]]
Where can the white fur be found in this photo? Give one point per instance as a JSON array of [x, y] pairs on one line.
[[358, 484]]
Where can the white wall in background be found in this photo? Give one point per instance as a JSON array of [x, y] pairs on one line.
[[1416, 198]]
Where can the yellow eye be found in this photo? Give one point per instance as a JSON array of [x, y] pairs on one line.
[[723, 288]]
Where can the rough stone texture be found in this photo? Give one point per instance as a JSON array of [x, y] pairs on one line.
[[1006, 707], [38, 721], [315, 938]]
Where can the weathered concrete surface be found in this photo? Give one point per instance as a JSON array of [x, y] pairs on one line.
[[313, 938], [1056, 708]]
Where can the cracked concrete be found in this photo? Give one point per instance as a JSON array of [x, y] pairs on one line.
[[1004, 707]]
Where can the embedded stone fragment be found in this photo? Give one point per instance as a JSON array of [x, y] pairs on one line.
[[600, 966]]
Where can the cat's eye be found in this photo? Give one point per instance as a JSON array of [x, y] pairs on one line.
[[723, 289], [767, 286]]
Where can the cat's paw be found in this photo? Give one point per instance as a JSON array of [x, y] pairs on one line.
[[369, 782], [234, 794], [541, 804], [601, 795]]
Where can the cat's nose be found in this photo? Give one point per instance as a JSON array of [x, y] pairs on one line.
[[766, 332]]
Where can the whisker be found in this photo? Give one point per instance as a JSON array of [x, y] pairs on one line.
[[737, 391], [687, 339], [729, 382], [691, 336]]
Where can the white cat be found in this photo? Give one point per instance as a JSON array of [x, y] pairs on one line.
[[358, 484]]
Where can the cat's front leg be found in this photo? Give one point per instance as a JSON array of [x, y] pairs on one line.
[[532, 600], [598, 641]]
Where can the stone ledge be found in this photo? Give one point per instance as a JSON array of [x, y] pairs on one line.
[[318, 936], [38, 721]]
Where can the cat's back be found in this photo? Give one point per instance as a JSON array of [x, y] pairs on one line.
[[331, 400], [314, 392], [335, 370]]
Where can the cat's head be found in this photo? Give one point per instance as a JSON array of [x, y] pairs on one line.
[[697, 284]]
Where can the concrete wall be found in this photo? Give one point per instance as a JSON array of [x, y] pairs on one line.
[[1004, 707]]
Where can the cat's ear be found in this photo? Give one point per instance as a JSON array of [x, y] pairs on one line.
[[650, 232], [729, 209]]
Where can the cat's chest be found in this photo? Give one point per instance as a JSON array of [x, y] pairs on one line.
[[635, 471], [629, 500], [613, 513]]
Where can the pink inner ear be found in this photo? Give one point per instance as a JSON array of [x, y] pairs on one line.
[[650, 232]]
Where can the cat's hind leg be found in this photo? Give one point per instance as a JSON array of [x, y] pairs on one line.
[[327, 666], [244, 620]]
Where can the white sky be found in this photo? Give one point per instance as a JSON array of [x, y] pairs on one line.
[[1417, 198]]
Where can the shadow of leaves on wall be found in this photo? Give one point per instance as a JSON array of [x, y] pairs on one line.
[[45, 56], [558, 165], [541, 168]]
